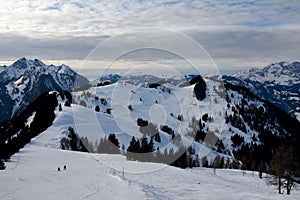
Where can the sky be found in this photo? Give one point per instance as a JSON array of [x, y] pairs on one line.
[[232, 34]]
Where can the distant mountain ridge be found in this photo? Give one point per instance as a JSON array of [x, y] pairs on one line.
[[278, 83], [146, 79], [23, 81]]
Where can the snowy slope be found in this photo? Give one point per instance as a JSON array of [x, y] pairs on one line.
[[160, 107], [31, 174]]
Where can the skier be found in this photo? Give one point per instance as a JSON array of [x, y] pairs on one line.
[[58, 169], [65, 167]]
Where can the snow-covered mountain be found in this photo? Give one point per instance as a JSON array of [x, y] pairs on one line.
[[24, 80], [228, 122], [1, 68], [224, 123], [278, 83]]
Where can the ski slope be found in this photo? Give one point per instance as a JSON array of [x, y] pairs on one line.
[[32, 174]]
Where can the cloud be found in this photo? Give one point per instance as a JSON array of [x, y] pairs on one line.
[[86, 18], [235, 33], [15, 46]]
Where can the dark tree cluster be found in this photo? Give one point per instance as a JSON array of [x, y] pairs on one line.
[[108, 110], [180, 117], [109, 145], [103, 101], [86, 94], [165, 89], [219, 163], [207, 118], [200, 135], [275, 128], [253, 156], [141, 122], [87, 144], [167, 129], [200, 89], [154, 85], [143, 150], [237, 140], [262, 118], [195, 80], [200, 132], [149, 130], [2, 165], [140, 150], [185, 158], [236, 120], [67, 103], [104, 83], [284, 169], [221, 147], [68, 96], [15, 133], [83, 103], [97, 108], [72, 142]]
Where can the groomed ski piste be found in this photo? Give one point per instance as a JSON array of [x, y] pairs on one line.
[[32, 174]]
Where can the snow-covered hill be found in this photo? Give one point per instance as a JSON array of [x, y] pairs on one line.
[[208, 125], [278, 83], [23, 81], [32, 174], [160, 106]]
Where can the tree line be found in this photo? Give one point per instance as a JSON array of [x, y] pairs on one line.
[[15, 133]]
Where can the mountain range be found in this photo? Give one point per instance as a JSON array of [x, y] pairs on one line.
[[278, 83], [23, 81]]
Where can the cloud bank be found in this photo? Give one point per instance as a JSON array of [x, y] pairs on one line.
[[235, 33]]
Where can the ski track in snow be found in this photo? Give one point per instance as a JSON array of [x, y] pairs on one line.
[[31, 174]]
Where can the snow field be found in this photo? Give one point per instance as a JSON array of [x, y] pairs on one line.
[[32, 174]]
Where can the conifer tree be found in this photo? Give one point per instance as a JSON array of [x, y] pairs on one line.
[[285, 166], [277, 168], [2, 166], [196, 161], [204, 162], [97, 108]]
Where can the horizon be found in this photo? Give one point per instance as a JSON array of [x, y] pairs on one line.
[[95, 73]]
